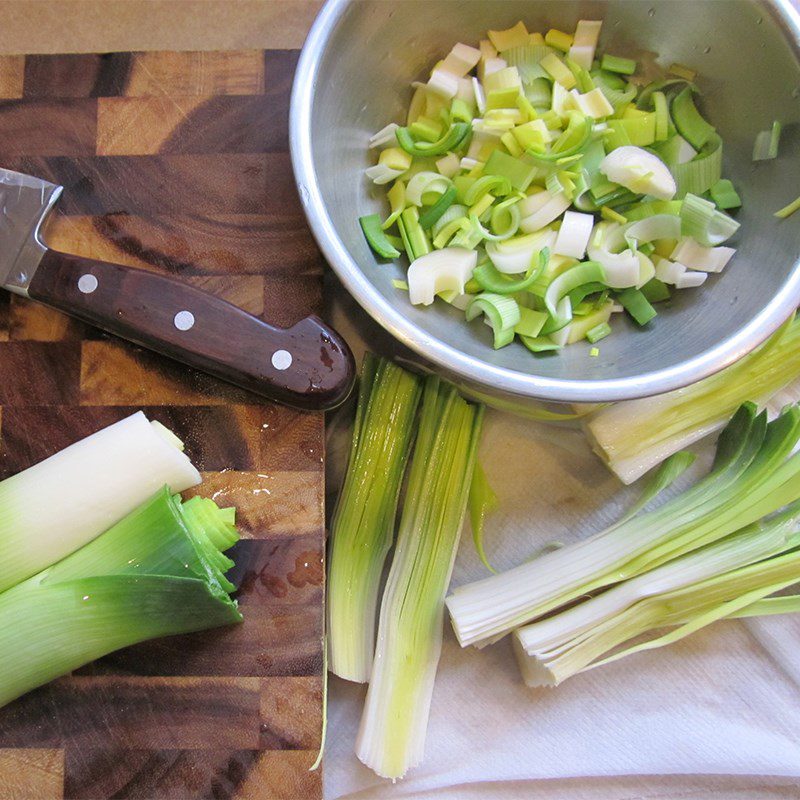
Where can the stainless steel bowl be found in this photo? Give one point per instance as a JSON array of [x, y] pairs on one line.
[[354, 75]]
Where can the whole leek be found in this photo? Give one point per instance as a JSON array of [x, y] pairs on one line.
[[57, 506], [363, 524], [155, 573], [391, 738]]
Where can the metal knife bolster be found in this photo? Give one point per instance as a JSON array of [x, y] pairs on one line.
[[25, 202]]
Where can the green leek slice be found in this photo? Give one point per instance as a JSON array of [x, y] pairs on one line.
[[376, 238]]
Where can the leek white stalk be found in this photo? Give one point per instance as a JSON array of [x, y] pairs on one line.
[[391, 738], [363, 523], [57, 506], [560, 632], [635, 435]]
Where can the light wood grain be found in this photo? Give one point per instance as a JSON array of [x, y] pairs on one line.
[[32, 774], [87, 26]]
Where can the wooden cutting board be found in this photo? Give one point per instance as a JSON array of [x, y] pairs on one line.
[[176, 162]]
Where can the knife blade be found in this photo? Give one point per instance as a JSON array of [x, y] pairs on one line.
[[308, 366]]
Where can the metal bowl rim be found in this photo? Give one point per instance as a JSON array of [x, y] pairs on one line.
[[450, 358]]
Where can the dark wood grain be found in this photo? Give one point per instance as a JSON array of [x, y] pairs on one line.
[[208, 198], [180, 185], [216, 337]]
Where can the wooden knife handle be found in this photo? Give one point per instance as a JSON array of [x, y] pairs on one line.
[[308, 365]]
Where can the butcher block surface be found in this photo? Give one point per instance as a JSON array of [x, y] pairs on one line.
[[174, 162]]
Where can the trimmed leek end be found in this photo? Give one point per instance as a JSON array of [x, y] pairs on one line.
[[157, 572], [57, 506], [391, 738], [363, 523], [632, 438]]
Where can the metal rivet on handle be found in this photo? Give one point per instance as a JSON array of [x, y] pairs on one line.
[[87, 283], [282, 359], [184, 320]]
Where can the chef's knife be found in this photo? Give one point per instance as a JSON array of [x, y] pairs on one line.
[[308, 365]]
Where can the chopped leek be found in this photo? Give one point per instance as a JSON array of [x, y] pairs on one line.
[[688, 121], [376, 238], [788, 210], [501, 312], [58, 505], [637, 305], [767, 142], [624, 66], [724, 195], [157, 572], [525, 143], [363, 523], [391, 737], [439, 271]]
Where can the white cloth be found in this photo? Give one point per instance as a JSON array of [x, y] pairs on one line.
[[716, 715]]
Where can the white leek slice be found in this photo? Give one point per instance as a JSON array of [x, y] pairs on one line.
[[466, 93], [443, 83], [651, 229], [439, 271], [461, 59], [584, 42], [562, 100], [647, 270], [424, 182], [448, 165], [381, 173], [669, 271], [480, 96], [592, 104], [573, 236], [57, 506], [488, 66], [704, 259], [640, 171], [385, 136], [515, 256], [551, 209], [622, 270], [468, 163], [690, 280]]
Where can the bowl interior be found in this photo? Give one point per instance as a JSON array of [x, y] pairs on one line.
[[748, 72]]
